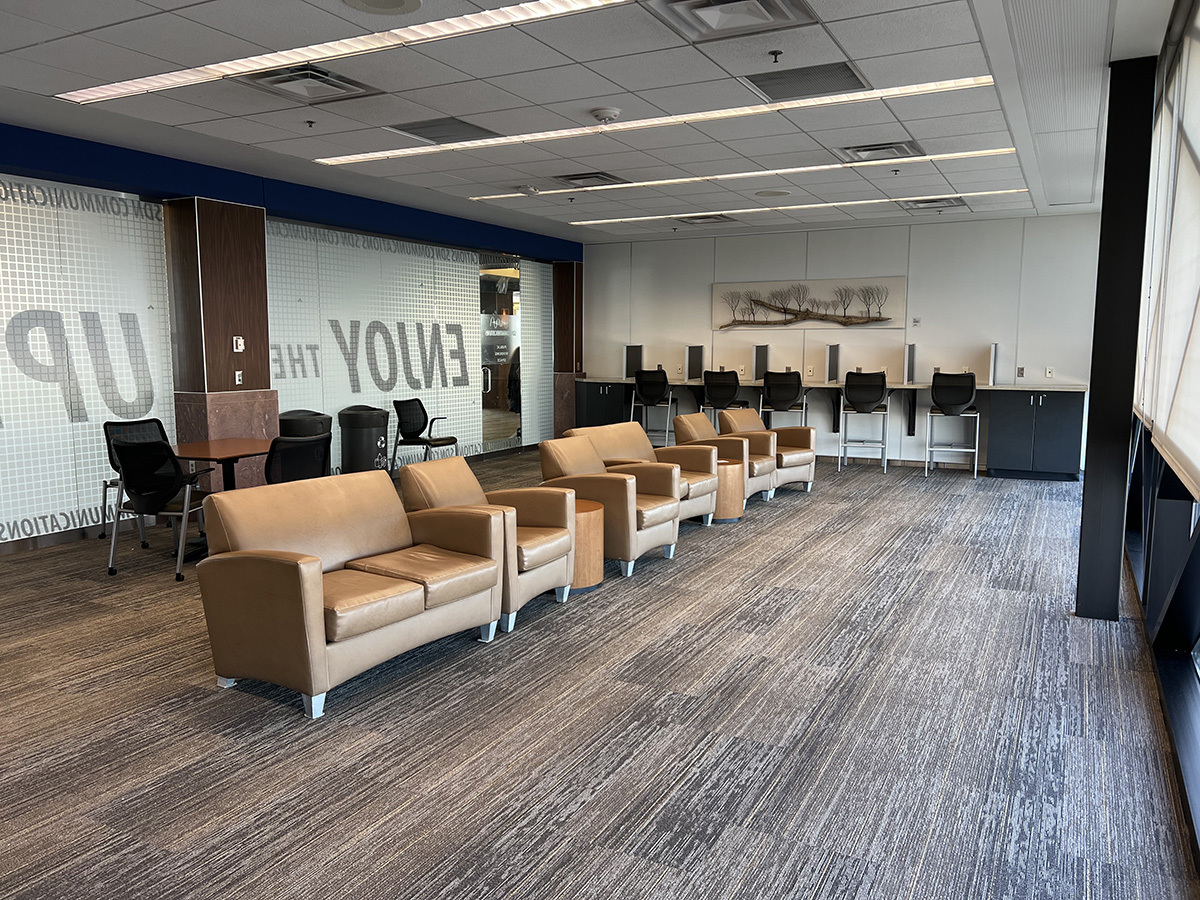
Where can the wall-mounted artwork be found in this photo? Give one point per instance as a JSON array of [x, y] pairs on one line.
[[826, 303]]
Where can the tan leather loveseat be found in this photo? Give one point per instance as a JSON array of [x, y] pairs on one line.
[[309, 583], [539, 527], [755, 451], [627, 442], [795, 446]]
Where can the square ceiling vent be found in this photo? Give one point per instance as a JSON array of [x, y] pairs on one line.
[[710, 20], [308, 84], [932, 203], [709, 219], [446, 130], [867, 152], [808, 81], [589, 179]]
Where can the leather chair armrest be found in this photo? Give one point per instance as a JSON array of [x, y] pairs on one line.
[[762, 443], [735, 449], [653, 478], [478, 530], [799, 436], [623, 461], [692, 458], [266, 618], [618, 494], [544, 507]]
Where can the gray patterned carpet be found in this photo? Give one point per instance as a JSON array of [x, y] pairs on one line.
[[872, 691]]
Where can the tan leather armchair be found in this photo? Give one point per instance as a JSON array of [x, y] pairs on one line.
[[539, 527], [755, 451], [309, 583], [627, 442], [641, 499], [795, 446]]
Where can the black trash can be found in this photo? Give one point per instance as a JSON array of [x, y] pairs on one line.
[[304, 423], [364, 438]]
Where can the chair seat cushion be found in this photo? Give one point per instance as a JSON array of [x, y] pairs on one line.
[[697, 484], [794, 456], [358, 602], [881, 408], [537, 546], [654, 509], [446, 574], [761, 465], [174, 505], [969, 411], [428, 442]]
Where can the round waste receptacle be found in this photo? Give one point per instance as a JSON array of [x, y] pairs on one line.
[[364, 438], [304, 423]]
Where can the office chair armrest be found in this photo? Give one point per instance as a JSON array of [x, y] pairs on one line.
[[653, 477], [762, 443], [477, 530], [799, 436], [694, 458], [194, 476], [540, 507], [734, 449], [429, 431]]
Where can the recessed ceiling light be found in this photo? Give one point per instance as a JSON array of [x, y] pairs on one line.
[[737, 112], [484, 20], [385, 7], [761, 173], [766, 209], [771, 193]]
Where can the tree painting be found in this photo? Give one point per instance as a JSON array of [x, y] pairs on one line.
[[797, 302]]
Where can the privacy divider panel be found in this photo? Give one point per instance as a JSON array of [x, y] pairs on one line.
[[537, 354], [87, 338]]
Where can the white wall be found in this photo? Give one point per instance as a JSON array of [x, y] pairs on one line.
[[1026, 284]]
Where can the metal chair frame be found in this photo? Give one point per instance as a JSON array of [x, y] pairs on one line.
[[801, 405], [107, 484], [882, 407], [414, 439], [961, 406]]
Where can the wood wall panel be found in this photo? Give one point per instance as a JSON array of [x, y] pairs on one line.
[[568, 317], [183, 275]]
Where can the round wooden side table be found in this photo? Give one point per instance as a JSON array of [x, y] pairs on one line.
[[731, 492], [589, 546]]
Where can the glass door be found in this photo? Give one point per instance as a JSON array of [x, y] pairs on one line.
[[500, 350]]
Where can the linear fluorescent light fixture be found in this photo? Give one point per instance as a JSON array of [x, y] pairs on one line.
[[764, 209], [737, 112], [758, 173], [368, 43]]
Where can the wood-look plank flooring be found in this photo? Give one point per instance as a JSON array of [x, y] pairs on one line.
[[876, 690]]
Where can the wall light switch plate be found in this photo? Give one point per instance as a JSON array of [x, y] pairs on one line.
[[1049, 371], [237, 376], [916, 322], [1020, 371], [239, 344]]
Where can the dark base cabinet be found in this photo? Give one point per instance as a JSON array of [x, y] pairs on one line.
[[1035, 434], [600, 403]]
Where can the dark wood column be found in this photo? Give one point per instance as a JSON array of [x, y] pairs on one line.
[[568, 341], [217, 269]]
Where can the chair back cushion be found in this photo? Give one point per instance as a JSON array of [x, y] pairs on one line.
[[865, 390], [150, 472], [297, 458], [781, 390], [570, 456], [337, 519], [720, 388], [735, 420], [693, 427], [440, 482], [411, 418], [132, 432], [624, 440], [651, 386], [953, 393]]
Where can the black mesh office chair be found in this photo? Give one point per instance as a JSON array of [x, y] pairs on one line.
[[721, 390], [781, 392], [412, 420], [156, 485], [864, 393], [652, 389], [298, 458], [138, 430], [952, 395]]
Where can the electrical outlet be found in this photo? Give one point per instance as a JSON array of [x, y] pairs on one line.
[[741, 370], [916, 322], [884, 370], [1049, 371], [239, 344], [966, 370], [237, 376], [679, 370], [1020, 371], [808, 372]]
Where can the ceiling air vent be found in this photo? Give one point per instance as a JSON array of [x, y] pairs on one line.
[[308, 84], [447, 130], [710, 219], [932, 203], [710, 20], [589, 179], [809, 81], [865, 152]]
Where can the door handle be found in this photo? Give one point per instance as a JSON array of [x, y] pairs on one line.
[[1041, 397], [1031, 399], [487, 380]]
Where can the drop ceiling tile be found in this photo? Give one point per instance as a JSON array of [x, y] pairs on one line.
[[808, 45], [763, 125], [381, 109], [159, 108], [948, 103], [875, 212], [88, 56], [518, 153], [968, 123], [305, 147], [452, 161], [180, 40], [667, 136], [832, 10], [605, 33], [16, 31], [720, 166], [847, 115], [231, 98], [705, 95], [679, 191], [828, 214], [496, 52], [826, 176], [614, 162], [456, 187], [464, 98], [370, 140], [661, 68], [525, 120], [996, 184], [939, 213], [796, 142], [990, 140], [573, 82], [921, 66], [693, 153], [883, 173], [297, 121], [23, 75], [170, 4], [921, 28], [385, 168], [656, 173], [77, 17], [748, 186], [541, 171], [243, 131], [402, 69], [806, 158], [631, 105], [278, 24], [914, 186], [963, 180], [373, 22], [835, 193], [970, 164], [437, 180], [655, 204], [863, 134], [1001, 201], [493, 175], [588, 145]]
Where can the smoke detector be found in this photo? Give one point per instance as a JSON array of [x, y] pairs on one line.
[[384, 7], [528, 189], [606, 114]]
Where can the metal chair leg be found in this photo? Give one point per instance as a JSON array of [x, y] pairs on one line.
[[112, 548], [142, 532], [103, 507], [883, 452], [928, 438], [187, 505], [976, 472]]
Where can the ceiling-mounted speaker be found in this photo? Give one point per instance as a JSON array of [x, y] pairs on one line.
[[385, 7]]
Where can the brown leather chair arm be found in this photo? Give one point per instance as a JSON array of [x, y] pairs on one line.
[[799, 436], [762, 443], [478, 530], [692, 458], [622, 461], [735, 449], [617, 493], [653, 477], [265, 617], [543, 507]]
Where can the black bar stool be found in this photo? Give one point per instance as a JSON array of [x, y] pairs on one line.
[[953, 395], [864, 394], [783, 392], [720, 392], [651, 389]]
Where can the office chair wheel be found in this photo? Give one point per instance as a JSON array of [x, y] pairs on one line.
[[101, 535], [145, 545], [179, 576], [112, 571]]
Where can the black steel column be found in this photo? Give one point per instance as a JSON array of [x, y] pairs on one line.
[[1114, 335]]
